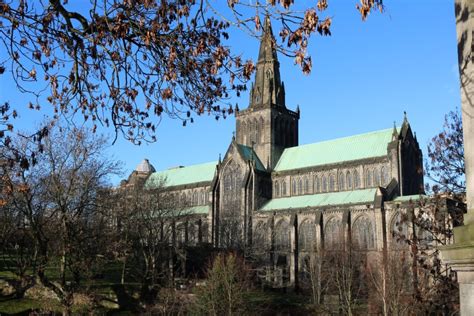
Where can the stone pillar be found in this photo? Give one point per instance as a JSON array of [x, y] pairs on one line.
[[460, 255]]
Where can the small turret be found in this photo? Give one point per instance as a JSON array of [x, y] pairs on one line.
[[145, 167]]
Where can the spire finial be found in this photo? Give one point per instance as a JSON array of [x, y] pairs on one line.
[[233, 135], [220, 160], [268, 24]]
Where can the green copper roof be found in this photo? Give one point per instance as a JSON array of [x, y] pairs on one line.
[[407, 198], [200, 209], [322, 199], [355, 147], [249, 154], [183, 175]]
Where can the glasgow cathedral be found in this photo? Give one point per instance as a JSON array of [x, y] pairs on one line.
[[282, 199]]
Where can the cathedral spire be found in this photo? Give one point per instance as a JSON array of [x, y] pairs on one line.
[[267, 44], [267, 89]]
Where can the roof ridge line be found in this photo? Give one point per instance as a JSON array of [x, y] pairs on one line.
[[344, 137]]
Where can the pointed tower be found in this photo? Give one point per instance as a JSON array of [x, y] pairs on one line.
[[267, 125], [267, 90]]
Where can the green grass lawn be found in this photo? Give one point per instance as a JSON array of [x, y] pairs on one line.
[[9, 305]]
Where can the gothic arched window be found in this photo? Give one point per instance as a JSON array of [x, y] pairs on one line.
[[282, 236], [369, 178], [376, 177], [363, 235], [283, 188], [333, 237], [257, 95], [317, 185], [399, 232], [332, 183], [189, 198], [193, 233], [180, 233], [355, 176], [195, 198], [228, 182], [277, 189], [300, 187], [260, 235], [324, 184], [307, 236], [383, 172], [348, 180], [341, 181], [269, 74], [306, 185], [293, 188]]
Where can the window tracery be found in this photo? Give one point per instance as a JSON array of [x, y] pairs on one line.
[[307, 236], [384, 173], [398, 232], [332, 183], [355, 176], [369, 178], [317, 185], [195, 198], [260, 235], [333, 235], [282, 236], [283, 188], [363, 235], [349, 180], [277, 189], [376, 177], [341, 181]]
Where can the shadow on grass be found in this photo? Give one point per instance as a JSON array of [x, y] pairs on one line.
[[125, 301]]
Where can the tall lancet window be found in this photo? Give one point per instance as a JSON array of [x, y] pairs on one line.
[[282, 236], [356, 179], [317, 185], [348, 180], [384, 174], [376, 177], [363, 235], [341, 182], [307, 236], [332, 182], [333, 234]]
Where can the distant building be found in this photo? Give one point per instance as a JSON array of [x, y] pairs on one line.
[[280, 199]]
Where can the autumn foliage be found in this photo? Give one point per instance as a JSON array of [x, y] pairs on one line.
[[128, 63]]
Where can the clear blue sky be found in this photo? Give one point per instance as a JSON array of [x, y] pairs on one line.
[[364, 76]]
